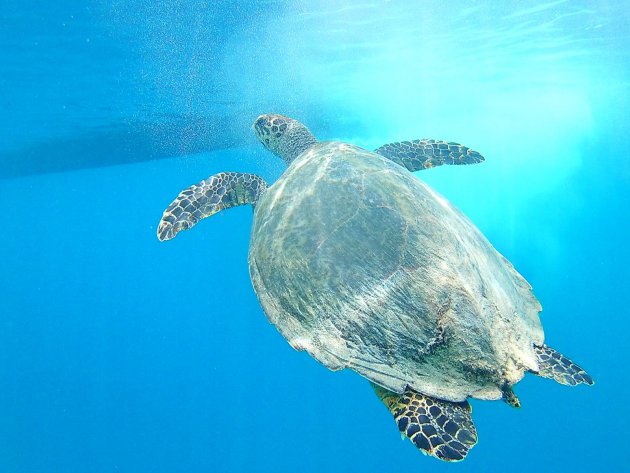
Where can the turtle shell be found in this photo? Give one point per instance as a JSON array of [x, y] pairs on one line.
[[364, 266]]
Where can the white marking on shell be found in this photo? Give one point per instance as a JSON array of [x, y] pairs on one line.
[[439, 199], [301, 343], [278, 193]]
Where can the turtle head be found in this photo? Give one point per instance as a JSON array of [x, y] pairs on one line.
[[283, 136]]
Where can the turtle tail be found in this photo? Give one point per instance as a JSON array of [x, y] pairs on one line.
[[204, 199]]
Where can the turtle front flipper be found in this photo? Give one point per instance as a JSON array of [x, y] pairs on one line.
[[556, 366], [423, 154], [218, 192], [442, 429]]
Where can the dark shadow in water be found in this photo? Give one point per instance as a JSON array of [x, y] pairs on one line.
[[123, 143]]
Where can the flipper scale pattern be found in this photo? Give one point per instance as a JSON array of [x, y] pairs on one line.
[[423, 154], [556, 366], [439, 428], [201, 200]]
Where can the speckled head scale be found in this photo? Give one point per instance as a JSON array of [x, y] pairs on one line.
[[283, 136]]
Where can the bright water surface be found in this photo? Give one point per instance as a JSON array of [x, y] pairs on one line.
[[120, 353]]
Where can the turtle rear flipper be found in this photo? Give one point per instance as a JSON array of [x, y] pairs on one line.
[[423, 154], [442, 429], [556, 366], [218, 192]]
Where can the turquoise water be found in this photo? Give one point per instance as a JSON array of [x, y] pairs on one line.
[[121, 353]]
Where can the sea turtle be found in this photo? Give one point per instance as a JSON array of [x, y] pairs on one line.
[[364, 266]]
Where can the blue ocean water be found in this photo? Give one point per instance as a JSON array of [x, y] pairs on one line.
[[121, 353]]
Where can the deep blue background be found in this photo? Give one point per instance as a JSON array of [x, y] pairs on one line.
[[120, 353]]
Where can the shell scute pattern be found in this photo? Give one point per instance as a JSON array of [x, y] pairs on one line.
[[387, 303]]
